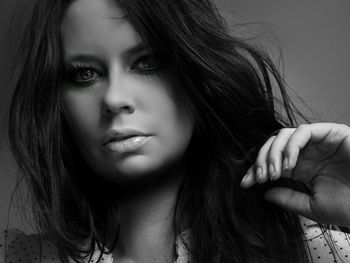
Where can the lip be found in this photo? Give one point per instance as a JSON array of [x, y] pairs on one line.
[[126, 145], [120, 135]]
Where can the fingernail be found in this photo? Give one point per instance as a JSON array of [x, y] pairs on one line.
[[244, 180], [259, 174], [285, 163], [272, 171]]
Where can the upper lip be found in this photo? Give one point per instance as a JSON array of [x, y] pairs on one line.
[[117, 135]]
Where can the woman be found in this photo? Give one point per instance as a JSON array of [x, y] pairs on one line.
[[134, 123]]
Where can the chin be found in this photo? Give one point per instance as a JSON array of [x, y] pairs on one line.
[[132, 167], [135, 166], [138, 170]]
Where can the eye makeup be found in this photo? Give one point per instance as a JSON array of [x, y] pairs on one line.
[[83, 74], [85, 71]]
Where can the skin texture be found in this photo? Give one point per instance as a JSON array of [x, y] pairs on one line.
[[316, 154], [117, 95]]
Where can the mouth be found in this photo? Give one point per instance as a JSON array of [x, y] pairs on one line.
[[115, 136], [121, 138], [124, 140], [128, 144]]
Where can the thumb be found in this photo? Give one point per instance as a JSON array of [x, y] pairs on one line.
[[291, 200]]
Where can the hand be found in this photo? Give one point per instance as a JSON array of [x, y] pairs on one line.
[[316, 154]]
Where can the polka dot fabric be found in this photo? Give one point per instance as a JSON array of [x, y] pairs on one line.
[[328, 246], [22, 248]]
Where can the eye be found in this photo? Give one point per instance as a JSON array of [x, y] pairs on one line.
[[83, 75], [86, 75], [146, 63]]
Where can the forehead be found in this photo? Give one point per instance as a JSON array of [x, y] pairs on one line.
[[96, 26], [106, 8]]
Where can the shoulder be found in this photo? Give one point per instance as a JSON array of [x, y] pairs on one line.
[[18, 247], [325, 245]]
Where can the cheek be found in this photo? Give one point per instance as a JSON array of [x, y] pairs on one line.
[[174, 123], [178, 133], [81, 112]]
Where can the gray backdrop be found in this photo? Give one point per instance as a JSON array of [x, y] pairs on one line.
[[314, 38]]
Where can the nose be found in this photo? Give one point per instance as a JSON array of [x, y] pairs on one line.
[[117, 99], [108, 110]]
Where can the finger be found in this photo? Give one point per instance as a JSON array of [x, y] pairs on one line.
[[330, 134], [249, 178], [275, 155], [291, 200], [261, 169]]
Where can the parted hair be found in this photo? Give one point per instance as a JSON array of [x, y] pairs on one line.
[[229, 87]]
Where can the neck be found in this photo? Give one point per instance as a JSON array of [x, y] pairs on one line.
[[146, 220]]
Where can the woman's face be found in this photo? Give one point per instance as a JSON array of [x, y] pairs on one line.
[[119, 99]]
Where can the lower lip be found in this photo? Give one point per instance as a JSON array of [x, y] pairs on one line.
[[126, 145]]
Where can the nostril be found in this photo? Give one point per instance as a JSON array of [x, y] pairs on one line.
[[107, 110], [127, 108]]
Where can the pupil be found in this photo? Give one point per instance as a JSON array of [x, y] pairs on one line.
[[149, 63], [87, 74]]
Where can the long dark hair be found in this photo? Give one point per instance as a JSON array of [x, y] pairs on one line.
[[230, 89]]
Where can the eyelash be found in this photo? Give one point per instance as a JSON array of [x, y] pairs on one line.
[[79, 67], [148, 71]]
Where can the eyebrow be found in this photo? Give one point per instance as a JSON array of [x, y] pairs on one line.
[[81, 58], [141, 47], [136, 49]]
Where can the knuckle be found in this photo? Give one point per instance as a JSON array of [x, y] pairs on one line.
[[267, 145], [302, 126], [287, 149], [272, 137], [344, 127], [259, 160], [258, 164], [285, 130]]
